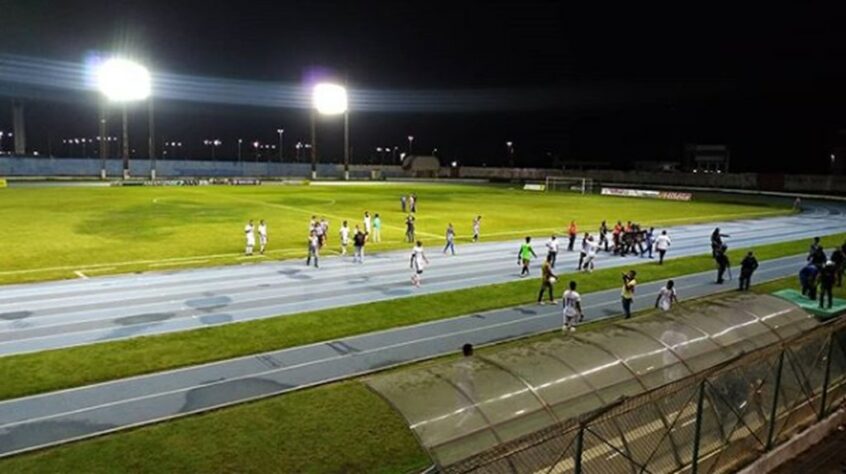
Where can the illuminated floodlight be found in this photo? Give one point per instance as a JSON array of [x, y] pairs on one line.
[[121, 80], [330, 99]]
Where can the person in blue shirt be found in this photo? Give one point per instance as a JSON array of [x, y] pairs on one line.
[[808, 280]]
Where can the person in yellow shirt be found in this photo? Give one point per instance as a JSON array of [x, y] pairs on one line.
[[627, 294]]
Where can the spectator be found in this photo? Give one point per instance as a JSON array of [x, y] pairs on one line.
[[808, 280], [723, 263], [747, 268], [839, 260], [827, 277], [627, 294]]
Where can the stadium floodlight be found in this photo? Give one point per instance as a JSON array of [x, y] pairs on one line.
[[121, 80], [330, 99]]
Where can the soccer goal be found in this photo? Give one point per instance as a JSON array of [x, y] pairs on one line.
[[571, 184]]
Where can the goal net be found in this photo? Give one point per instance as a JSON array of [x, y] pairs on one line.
[[570, 184]]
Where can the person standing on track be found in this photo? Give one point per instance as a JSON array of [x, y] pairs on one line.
[[418, 262], [402, 203], [571, 233], [477, 227], [583, 249], [662, 243], [262, 232], [250, 236], [667, 296], [603, 235], [572, 306], [377, 228], [648, 242], [450, 239], [525, 255], [313, 249], [548, 278], [747, 267], [627, 293], [359, 239], [592, 248], [723, 263], [552, 250], [345, 237]]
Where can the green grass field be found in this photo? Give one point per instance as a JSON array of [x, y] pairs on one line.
[[50, 233], [336, 428]]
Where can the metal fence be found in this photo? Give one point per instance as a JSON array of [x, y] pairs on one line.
[[714, 421]]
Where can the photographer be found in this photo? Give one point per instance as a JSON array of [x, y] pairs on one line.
[[627, 294]]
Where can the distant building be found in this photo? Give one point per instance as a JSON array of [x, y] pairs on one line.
[[707, 158]]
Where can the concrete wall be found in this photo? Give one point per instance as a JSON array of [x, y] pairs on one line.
[[90, 167]]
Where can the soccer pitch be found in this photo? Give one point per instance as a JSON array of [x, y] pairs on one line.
[[71, 232]]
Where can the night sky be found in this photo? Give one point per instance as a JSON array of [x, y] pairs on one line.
[[608, 84]]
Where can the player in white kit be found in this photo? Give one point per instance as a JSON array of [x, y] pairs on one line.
[[667, 296], [345, 237], [572, 302], [418, 263], [262, 232], [590, 247], [368, 225], [251, 238]]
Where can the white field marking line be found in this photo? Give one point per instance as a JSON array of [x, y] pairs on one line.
[[80, 275], [329, 305], [93, 266], [263, 373], [168, 264], [281, 352]]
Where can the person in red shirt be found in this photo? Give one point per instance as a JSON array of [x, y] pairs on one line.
[[572, 231]]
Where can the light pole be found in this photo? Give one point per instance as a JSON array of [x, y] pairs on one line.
[[330, 99], [410, 142], [240, 141], [124, 81], [281, 133], [510, 146], [213, 144]]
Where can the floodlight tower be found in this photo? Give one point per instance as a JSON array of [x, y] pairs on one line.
[[330, 99], [123, 81]]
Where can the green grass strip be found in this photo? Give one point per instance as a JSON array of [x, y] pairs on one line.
[[27, 374]]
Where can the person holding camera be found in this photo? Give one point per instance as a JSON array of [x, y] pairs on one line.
[[627, 294]]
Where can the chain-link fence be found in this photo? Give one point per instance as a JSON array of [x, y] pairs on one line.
[[713, 421]]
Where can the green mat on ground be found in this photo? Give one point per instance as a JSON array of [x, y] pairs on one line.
[[813, 306]]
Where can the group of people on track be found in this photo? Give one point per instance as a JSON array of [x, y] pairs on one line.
[[820, 272]]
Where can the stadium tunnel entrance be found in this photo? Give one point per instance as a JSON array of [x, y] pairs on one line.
[[703, 388]]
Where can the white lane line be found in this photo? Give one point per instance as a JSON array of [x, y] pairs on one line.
[[170, 264], [80, 275]]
